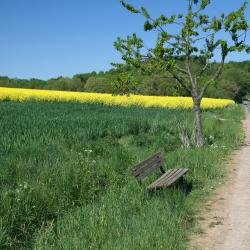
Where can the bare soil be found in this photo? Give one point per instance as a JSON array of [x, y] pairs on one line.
[[225, 221]]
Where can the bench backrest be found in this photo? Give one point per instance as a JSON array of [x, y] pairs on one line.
[[144, 168]]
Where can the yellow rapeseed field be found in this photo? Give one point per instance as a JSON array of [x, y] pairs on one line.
[[17, 94]]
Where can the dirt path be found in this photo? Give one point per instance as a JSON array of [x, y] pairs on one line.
[[226, 222]]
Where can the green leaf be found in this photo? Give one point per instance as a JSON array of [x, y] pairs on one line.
[[129, 7], [145, 12], [204, 4], [148, 26]]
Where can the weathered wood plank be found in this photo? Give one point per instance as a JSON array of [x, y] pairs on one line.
[[144, 168], [147, 171], [139, 167], [168, 179], [151, 164], [168, 174], [175, 178]]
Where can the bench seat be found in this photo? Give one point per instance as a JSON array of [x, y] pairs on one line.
[[168, 178], [146, 167]]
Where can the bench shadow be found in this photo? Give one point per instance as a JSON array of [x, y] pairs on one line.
[[183, 185]]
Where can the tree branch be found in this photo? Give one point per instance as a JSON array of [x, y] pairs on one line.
[[187, 63], [203, 69], [164, 31], [181, 70], [216, 76], [204, 37], [181, 82]]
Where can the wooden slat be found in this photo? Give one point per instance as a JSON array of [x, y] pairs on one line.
[[148, 170], [175, 178], [138, 168], [147, 166], [168, 174], [169, 178]]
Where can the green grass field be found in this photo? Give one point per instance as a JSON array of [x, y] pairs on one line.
[[66, 183]]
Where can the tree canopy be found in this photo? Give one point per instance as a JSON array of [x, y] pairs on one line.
[[196, 36]]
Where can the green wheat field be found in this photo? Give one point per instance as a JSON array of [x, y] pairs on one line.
[[66, 181]]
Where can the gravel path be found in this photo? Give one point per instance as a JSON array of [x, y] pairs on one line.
[[226, 223]]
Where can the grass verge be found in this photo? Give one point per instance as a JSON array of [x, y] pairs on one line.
[[65, 175]]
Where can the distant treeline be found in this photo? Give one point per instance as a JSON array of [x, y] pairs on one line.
[[234, 83]]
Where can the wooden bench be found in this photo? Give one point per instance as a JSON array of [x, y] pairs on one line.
[[146, 167]]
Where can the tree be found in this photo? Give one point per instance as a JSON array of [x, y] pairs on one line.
[[197, 37]]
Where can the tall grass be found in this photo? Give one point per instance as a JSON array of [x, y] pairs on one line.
[[65, 174]]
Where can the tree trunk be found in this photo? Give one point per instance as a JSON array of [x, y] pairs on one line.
[[199, 137]]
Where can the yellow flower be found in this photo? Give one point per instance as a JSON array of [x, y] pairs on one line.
[[16, 94]]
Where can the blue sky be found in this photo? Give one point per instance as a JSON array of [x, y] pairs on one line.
[[50, 38]]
